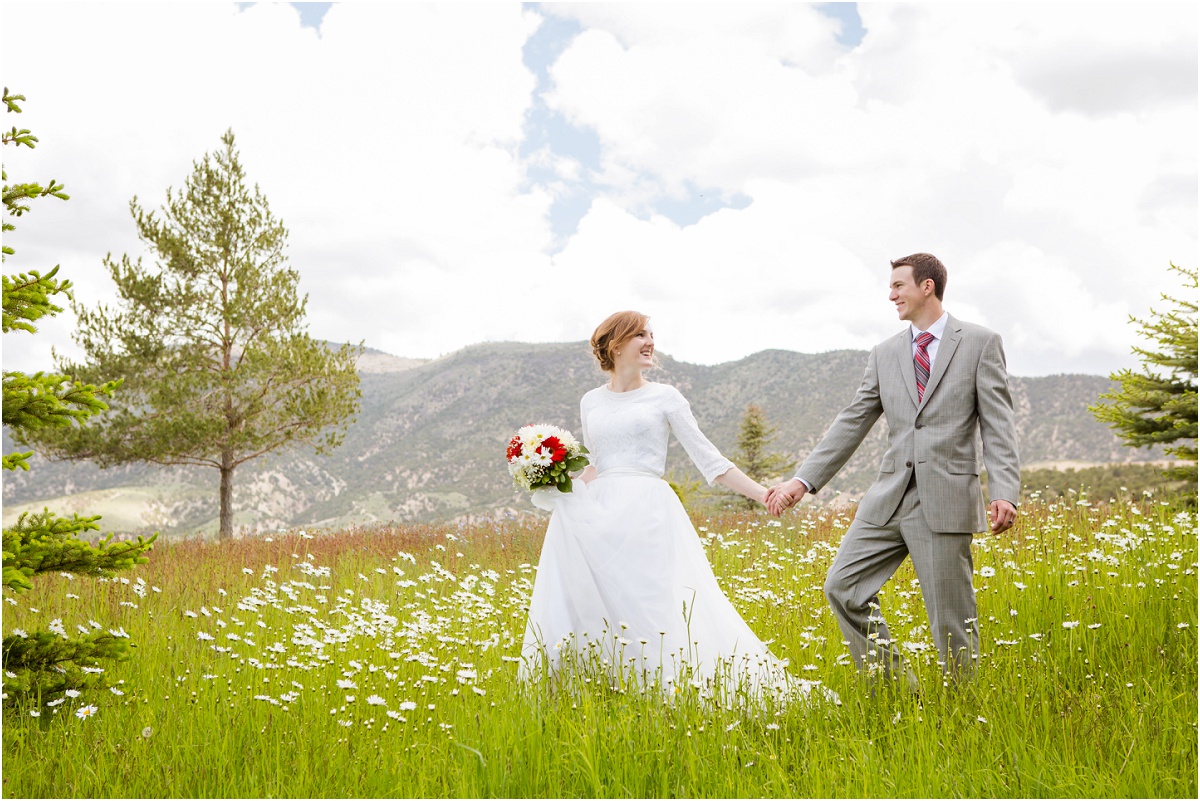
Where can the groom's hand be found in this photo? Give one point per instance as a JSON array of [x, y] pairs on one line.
[[1003, 515], [785, 495]]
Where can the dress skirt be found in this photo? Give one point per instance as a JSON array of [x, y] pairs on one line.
[[625, 589]]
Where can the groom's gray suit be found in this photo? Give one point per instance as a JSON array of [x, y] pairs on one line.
[[927, 500]]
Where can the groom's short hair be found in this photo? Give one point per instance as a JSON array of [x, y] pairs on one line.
[[925, 266]]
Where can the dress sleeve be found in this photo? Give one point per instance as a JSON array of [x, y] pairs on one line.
[[583, 407], [683, 424]]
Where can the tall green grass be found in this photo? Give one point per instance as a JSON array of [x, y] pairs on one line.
[[380, 662]]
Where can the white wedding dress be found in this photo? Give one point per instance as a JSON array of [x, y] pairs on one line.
[[623, 587]]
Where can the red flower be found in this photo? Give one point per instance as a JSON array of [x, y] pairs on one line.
[[514, 448], [554, 447]]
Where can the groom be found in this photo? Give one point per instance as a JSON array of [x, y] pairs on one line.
[[941, 384]]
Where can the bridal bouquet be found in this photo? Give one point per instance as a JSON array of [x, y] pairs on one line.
[[541, 456]]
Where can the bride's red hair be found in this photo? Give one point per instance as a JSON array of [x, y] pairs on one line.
[[617, 329]]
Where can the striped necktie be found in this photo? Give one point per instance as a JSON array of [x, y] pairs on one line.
[[921, 362]]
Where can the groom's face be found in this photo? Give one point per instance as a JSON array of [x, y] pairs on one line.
[[909, 298]]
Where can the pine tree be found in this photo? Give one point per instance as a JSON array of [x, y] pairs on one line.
[[210, 341], [754, 436], [41, 666], [1157, 406]]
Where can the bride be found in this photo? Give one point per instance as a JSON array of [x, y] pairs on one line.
[[623, 585]]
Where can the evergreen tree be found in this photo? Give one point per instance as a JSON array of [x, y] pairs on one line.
[[754, 436], [40, 666], [210, 341], [1157, 405]]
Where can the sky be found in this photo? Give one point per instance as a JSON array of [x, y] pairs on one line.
[[458, 173]]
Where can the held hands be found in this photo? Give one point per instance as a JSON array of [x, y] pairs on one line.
[[784, 496], [1003, 515]]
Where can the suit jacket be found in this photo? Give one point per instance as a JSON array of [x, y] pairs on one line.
[[966, 399]]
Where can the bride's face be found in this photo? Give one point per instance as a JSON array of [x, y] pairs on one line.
[[636, 352]]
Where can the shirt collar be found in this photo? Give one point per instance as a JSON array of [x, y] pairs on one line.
[[937, 329]]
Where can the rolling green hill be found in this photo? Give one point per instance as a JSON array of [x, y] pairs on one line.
[[429, 441]]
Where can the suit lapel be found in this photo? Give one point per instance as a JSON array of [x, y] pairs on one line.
[[907, 369], [950, 339]]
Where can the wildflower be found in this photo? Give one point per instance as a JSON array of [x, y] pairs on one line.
[[375, 700], [346, 684], [408, 706], [981, 719], [33, 713], [115, 691], [19, 633], [1070, 624], [201, 635], [72, 693], [987, 572], [85, 712]]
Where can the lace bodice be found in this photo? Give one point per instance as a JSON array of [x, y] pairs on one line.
[[629, 430]]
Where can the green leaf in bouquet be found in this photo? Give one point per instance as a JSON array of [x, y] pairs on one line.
[[577, 463], [566, 485]]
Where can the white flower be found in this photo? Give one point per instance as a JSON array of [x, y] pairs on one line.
[[85, 712], [987, 572], [115, 691], [72, 693], [346, 684], [375, 700], [19, 633], [1070, 624], [201, 635], [33, 713], [408, 706]]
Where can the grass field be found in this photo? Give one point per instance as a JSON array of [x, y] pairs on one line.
[[381, 662]]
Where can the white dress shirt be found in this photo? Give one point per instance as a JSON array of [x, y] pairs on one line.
[[937, 329]]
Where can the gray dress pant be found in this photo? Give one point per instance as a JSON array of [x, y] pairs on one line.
[[867, 558]]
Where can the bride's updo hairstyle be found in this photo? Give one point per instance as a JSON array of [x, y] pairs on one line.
[[615, 331]]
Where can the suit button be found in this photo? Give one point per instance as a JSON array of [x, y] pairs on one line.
[[920, 425], [908, 464]]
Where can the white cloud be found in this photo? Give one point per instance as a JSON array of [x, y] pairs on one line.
[[1046, 153]]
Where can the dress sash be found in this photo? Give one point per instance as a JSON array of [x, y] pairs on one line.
[[613, 472]]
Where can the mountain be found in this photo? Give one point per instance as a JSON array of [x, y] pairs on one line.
[[429, 440]]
